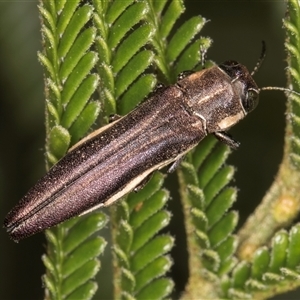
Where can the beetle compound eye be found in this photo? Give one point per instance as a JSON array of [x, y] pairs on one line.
[[250, 101]]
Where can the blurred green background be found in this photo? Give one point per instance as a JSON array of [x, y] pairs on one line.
[[237, 29]]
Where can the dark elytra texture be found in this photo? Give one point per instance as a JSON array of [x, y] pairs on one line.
[[157, 132]]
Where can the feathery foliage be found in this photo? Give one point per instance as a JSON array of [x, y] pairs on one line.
[[293, 47], [122, 57], [270, 272], [179, 52], [122, 87], [281, 204], [137, 265], [71, 260], [125, 41], [206, 199]]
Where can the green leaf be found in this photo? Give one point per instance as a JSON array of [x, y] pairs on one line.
[[196, 197], [148, 208], [153, 186], [123, 212], [123, 259], [221, 179], [86, 119], [49, 284], [81, 71], [86, 291], [68, 9], [183, 36], [78, 49], [155, 269], [79, 100], [220, 205], [128, 281], [260, 263], [83, 229], [106, 75], [116, 9], [202, 239], [71, 261], [80, 277], [159, 289], [51, 41], [130, 46], [43, 59], [240, 275], [255, 285], [189, 173], [81, 255], [171, 15], [211, 260], [47, 17], [190, 58], [289, 274], [129, 18], [293, 257], [151, 251], [53, 112], [81, 16], [291, 24], [132, 70], [213, 164], [223, 228], [125, 236], [270, 270], [149, 229], [202, 151], [272, 278], [158, 6], [59, 141], [199, 219], [105, 58], [227, 248], [278, 254], [227, 265], [131, 98]]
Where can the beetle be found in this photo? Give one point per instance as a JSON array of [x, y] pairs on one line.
[[117, 158]]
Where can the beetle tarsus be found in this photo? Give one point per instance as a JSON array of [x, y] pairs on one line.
[[226, 138], [184, 74], [175, 164], [114, 117]]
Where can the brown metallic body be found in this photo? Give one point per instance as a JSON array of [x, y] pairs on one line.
[[114, 160]]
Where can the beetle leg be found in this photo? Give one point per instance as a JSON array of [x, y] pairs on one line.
[[176, 164], [226, 139], [114, 117], [142, 183], [184, 74]]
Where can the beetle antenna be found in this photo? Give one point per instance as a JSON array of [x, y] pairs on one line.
[[270, 88], [261, 58], [258, 65]]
